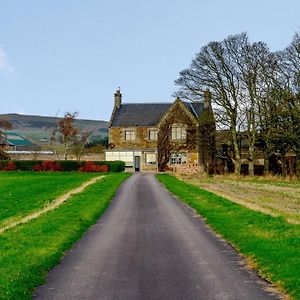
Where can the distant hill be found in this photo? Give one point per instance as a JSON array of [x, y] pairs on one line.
[[39, 128]]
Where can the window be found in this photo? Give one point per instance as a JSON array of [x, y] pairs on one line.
[[129, 135], [178, 158], [178, 132], [151, 158], [127, 157], [153, 134]]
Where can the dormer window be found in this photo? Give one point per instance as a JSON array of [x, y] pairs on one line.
[[129, 135], [178, 132]]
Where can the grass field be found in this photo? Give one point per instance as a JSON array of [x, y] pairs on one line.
[[28, 251], [271, 244], [25, 192], [271, 195]]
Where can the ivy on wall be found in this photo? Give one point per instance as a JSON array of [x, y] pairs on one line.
[[176, 115]]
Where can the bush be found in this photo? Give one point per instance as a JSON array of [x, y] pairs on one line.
[[113, 166], [90, 166], [27, 165], [63, 165], [48, 166], [10, 166], [70, 165], [37, 168]]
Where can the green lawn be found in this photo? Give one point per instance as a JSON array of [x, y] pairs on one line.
[[28, 251], [271, 244], [24, 192], [271, 195]]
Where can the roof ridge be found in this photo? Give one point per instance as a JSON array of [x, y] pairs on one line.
[[193, 109], [138, 103]]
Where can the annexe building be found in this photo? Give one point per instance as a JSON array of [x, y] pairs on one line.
[[152, 136], [19, 143]]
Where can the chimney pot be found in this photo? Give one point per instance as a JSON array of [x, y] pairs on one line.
[[118, 98], [207, 99]]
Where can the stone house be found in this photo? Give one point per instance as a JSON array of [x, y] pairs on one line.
[[6, 145], [153, 136]]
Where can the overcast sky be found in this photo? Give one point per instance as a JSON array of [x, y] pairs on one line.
[[72, 55]]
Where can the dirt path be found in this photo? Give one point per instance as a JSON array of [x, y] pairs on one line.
[[54, 204]]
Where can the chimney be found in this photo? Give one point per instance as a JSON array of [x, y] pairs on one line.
[[207, 99], [118, 98]]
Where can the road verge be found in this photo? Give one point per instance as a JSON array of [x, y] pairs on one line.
[[270, 244], [30, 250]]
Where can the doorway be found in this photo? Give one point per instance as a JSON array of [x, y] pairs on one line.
[[137, 163]]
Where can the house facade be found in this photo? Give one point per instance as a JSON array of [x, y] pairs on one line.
[[6, 145], [153, 136]]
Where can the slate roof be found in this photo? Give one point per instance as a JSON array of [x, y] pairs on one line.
[[147, 114], [195, 107]]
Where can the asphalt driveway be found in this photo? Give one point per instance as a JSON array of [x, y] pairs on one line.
[[148, 245]]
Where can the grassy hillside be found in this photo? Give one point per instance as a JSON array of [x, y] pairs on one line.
[[39, 127]]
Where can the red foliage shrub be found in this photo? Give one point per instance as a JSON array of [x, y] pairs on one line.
[[89, 166], [103, 168], [48, 166], [11, 166], [51, 166], [37, 167]]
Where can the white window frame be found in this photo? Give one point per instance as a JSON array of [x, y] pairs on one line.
[[150, 161], [178, 158], [178, 132], [152, 134], [129, 135]]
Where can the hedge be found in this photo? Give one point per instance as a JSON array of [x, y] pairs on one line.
[[66, 165]]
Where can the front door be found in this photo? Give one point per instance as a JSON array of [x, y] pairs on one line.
[[137, 163]]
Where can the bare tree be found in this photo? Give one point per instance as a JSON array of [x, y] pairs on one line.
[[214, 69], [255, 94], [70, 136], [289, 60], [255, 65], [78, 142], [64, 132]]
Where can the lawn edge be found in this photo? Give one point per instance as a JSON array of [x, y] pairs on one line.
[[55, 203], [251, 263], [51, 260]]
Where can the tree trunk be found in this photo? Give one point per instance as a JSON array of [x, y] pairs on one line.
[[66, 152], [266, 165], [251, 168], [237, 156], [298, 165], [251, 158], [201, 168], [237, 167]]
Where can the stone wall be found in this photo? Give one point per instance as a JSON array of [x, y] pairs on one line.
[[178, 114], [36, 156], [7, 147], [117, 138], [185, 169]]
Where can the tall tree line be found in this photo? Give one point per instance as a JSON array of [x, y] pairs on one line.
[[255, 94]]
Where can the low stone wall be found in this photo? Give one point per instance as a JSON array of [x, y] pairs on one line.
[[185, 168], [37, 156]]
